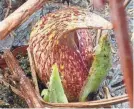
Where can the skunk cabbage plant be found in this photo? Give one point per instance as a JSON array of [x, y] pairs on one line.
[[63, 37]]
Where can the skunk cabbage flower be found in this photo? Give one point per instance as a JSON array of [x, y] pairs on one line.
[[62, 37]]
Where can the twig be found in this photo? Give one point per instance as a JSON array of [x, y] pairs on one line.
[[107, 95], [98, 36], [9, 2], [126, 2], [132, 38], [122, 38], [19, 16], [112, 50], [91, 104], [34, 74], [106, 90], [24, 83], [100, 3], [8, 8]]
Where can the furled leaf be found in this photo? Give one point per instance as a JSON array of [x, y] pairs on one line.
[[99, 69], [55, 92], [45, 94]]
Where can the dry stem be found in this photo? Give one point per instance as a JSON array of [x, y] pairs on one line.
[[91, 104], [8, 8], [24, 83], [98, 36], [19, 16], [122, 37], [126, 2], [34, 74]]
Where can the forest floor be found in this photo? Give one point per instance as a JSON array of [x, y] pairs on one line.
[[114, 79]]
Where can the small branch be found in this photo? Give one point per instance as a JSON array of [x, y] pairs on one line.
[[9, 2], [98, 36], [126, 2], [100, 3], [24, 83], [34, 74], [106, 90], [122, 37], [107, 95], [112, 49], [8, 8], [19, 16], [91, 104]]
